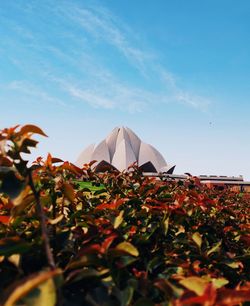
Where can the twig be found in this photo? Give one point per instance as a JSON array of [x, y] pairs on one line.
[[45, 237]]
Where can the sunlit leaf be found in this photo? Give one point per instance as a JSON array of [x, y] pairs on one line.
[[165, 225], [196, 284], [118, 219], [214, 249], [219, 282], [197, 238], [128, 248], [15, 259], [56, 220], [42, 282]]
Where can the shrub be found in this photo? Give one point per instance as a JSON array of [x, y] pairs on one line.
[[138, 241]]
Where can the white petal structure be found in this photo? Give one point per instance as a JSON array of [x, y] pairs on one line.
[[86, 155], [111, 141], [121, 148], [148, 153], [101, 152], [124, 155]]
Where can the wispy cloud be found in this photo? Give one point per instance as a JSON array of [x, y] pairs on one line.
[[30, 90], [73, 64], [103, 25]]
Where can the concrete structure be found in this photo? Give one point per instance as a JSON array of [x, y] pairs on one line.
[[234, 183], [121, 148]]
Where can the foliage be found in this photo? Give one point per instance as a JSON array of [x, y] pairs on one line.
[[134, 241]]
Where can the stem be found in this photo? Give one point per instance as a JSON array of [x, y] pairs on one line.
[[41, 214]]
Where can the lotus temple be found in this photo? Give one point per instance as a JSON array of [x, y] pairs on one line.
[[120, 149]]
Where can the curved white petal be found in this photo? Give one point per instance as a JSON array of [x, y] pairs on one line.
[[85, 156], [135, 142], [101, 152], [111, 141], [149, 153], [122, 135], [124, 156]]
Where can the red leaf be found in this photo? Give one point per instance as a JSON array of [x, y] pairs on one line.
[[5, 162], [232, 297], [4, 219], [206, 299], [56, 160], [107, 243], [112, 206]]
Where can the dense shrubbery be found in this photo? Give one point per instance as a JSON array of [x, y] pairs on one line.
[[138, 241]]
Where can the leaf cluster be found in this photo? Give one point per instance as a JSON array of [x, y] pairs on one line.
[[134, 240]]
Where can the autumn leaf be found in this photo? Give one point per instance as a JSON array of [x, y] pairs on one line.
[[69, 192], [29, 128]]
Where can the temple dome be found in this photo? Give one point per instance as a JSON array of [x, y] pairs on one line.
[[121, 148]]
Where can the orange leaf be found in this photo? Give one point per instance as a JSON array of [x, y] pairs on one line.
[[30, 128], [69, 192]]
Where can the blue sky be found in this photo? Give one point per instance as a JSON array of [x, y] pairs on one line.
[[176, 72]]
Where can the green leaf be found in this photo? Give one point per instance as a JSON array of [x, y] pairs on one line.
[[128, 248], [126, 296], [144, 302], [13, 245], [97, 192], [197, 238]]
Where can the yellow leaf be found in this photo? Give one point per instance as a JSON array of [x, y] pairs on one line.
[[127, 247], [47, 292], [197, 238], [219, 282], [118, 220], [166, 225], [15, 259], [195, 284], [44, 294], [234, 265], [214, 249]]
